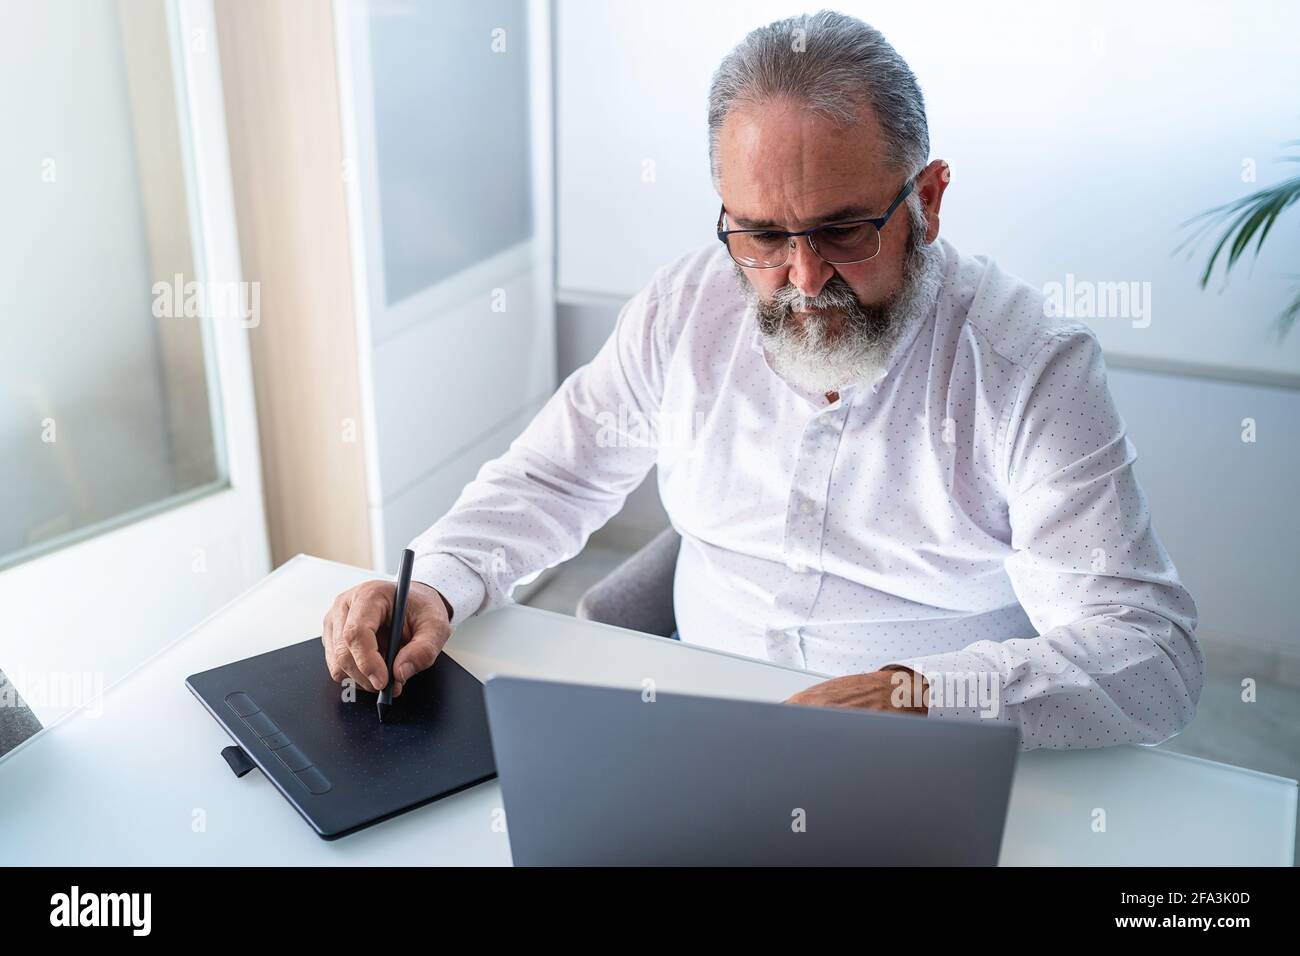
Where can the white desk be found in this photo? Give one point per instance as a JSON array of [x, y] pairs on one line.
[[124, 787]]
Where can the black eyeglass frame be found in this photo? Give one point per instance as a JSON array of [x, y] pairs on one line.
[[878, 222]]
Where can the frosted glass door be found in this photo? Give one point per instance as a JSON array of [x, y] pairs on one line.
[[107, 407], [130, 489]]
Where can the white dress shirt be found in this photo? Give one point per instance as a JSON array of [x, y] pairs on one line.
[[972, 514]]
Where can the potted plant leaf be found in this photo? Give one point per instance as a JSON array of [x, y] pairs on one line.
[[1243, 220]]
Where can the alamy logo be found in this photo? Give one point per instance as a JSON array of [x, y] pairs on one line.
[[179, 299], [1085, 299], [102, 909]]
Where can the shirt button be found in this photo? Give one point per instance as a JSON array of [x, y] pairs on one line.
[[797, 567], [805, 507]]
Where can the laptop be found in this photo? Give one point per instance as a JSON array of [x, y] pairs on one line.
[[598, 776]]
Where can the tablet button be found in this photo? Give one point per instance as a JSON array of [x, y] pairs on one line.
[[293, 758], [277, 740], [314, 780], [242, 704], [261, 724]]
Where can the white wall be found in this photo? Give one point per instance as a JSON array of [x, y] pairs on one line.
[[1223, 507], [1080, 134]]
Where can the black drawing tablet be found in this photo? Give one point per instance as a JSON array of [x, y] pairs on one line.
[[333, 760]]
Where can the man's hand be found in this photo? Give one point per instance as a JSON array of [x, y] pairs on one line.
[[355, 633], [896, 689]]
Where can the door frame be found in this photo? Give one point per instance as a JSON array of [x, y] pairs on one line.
[[379, 321]]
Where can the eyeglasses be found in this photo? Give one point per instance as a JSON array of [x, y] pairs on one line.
[[839, 243]]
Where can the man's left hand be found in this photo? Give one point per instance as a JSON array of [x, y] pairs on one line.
[[896, 689]]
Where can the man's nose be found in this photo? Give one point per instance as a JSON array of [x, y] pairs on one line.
[[808, 271]]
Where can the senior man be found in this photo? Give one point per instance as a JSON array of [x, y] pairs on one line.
[[884, 459]]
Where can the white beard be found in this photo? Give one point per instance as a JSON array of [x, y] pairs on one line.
[[809, 358]]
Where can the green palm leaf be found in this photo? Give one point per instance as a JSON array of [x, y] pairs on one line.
[[1248, 218]]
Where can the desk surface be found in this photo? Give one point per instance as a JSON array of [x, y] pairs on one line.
[[143, 781]]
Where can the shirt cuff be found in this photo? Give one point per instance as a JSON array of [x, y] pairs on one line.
[[962, 686], [452, 578]]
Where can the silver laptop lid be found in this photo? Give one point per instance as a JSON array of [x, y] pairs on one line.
[[601, 776]]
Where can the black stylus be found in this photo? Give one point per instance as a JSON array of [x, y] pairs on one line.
[[395, 630]]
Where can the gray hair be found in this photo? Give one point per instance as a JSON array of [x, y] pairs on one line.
[[834, 64]]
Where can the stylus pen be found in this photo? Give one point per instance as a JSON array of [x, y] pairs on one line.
[[395, 629]]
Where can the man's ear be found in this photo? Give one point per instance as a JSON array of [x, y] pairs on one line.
[[930, 186]]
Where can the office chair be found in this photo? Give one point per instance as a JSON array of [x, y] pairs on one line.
[[638, 594]]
